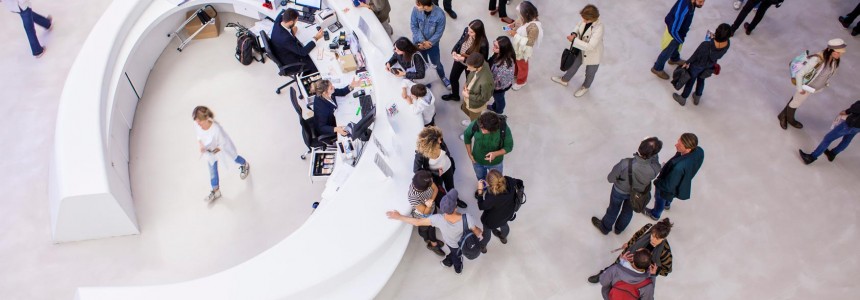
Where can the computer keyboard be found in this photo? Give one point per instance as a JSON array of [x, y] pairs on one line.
[[366, 103], [307, 19]]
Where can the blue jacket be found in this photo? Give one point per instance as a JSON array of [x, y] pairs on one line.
[[324, 111], [287, 47], [679, 18], [427, 28], [677, 175]]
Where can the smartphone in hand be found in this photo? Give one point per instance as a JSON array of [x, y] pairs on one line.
[[356, 3], [506, 28]]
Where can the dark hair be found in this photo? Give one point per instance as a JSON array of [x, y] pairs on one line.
[[528, 11], [723, 32], [661, 229], [649, 147], [405, 45], [290, 15], [202, 113], [480, 36], [418, 90], [827, 54], [424, 2], [489, 121], [689, 140], [642, 259], [421, 180], [475, 60], [506, 52]]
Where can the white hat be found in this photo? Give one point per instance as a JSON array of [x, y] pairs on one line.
[[837, 45]]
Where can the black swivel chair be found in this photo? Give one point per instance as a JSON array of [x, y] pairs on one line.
[[293, 74], [312, 139]]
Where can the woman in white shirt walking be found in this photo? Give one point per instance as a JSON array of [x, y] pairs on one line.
[[214, 145]]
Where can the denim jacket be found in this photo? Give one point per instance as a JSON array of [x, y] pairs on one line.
[[427, 28]]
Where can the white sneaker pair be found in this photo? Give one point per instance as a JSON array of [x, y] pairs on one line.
[[212, 196]]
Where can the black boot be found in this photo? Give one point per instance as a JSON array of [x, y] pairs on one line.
[[782, 121], [845, 22], [856, 31], [595, 278], [830, 155], [807, 158], [789, 116]]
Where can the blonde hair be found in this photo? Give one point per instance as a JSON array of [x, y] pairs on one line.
[[497, 183], [428, 141], [320, 87], [202, 113]]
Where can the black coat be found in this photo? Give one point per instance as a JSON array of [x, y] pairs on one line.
[[288, 49], [324, 111], [498, 209], [484, 47], [423, 163]]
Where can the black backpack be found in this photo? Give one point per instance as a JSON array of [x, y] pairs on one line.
[[519, 196], [246, 45], [469, 244], [502, 130]]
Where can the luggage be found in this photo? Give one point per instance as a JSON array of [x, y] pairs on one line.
[[247, 46]]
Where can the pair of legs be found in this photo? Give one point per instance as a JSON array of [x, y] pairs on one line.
[[30, 19], [694, 80], [669, 53], [387, 25], [471, 114], [446, 5], [434, 55], [742, 15], [456, 70], [849, 18], [660, 204], [786, 117], [454, 258], [502, 231], [590, 71], [213, 172], [482, 170], [498, 105], [446, 180], [521, 72], [428, 233], [500, 7], [843, 131], [618, 202]]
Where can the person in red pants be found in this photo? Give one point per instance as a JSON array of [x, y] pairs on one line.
[[30, 19]]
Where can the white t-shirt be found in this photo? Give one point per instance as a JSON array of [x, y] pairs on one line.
[[442, 162], [213, 138], [452, 232], [426, 106]]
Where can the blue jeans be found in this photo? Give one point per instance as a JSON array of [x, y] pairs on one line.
[[433, 54], [482, 170], [660, 204], [617, 202], [842, 130], [694, 79], [213, 171], [29, 17], [670, 52], [498, 105]]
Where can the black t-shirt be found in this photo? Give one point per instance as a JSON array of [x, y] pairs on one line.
[[584, 30]]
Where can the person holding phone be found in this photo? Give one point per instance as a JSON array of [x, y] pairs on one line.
[[286, 45], [405, 54], [497, 198], [473, 40], [488, 139], [526, 33]]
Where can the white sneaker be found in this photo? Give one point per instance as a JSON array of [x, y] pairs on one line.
[[737, 4], [462, 137], [212, 196], [244, 170], [517, 87], [581, 91], [559, 81], [466, 122]]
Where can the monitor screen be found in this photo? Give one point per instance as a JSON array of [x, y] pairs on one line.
[[316, 4]]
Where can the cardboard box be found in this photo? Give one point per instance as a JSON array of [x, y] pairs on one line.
[[210, 31], [347, 63]]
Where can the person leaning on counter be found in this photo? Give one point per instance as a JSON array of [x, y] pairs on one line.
[[287, 47], [325, 104]]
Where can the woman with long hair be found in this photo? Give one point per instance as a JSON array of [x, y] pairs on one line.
[[526, 33], [215, 144], [502, 65], [814, 76], [473, 40], [404, 55], [497, 198]]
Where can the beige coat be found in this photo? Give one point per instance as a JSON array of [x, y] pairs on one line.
[[590, 42]]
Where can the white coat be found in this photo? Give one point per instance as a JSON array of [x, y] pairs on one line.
[[590, 42], [213, 138]]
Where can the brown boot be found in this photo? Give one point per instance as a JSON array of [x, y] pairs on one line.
[[782, 121], [789, 116]]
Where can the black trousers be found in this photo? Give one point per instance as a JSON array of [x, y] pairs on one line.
[[502, 5], [456, 70], [428, 233], [853, 15], [742, 15], [446, 4]]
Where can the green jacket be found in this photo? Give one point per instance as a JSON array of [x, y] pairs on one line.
[[677, 175], [486, 143], [482, 90]]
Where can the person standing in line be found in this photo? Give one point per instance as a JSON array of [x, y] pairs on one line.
[[422, 195], [641, 168], [588, 38], [497, 198], [702, 64], [421, 101], [479, 87], [432, 154], [676, 177], [812, 78], [502, 65], [761, 5], [404, 55], [526, 33], [213, 141], [29, 17], [637, 273], [652, 238], [488, 139], [846, 127], [678, 22], [502, 10], [846, 20], [381, 9], [473, 40], [428, 24], [448, 8], [450, 223]]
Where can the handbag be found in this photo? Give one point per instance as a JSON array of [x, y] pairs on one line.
[[638, 200], [427, 67], [568, 56]]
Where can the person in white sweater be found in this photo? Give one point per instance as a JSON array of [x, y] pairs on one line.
[[30, 19], [812, 78], [588, 38], [420, 100], [215, 145]]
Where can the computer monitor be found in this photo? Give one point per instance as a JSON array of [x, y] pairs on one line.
[[361, 130], [314, 4]]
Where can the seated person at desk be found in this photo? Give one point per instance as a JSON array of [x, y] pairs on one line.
[[325, 104], [287, 47], [412, 65]]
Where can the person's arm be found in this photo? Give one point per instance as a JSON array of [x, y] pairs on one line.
[[485, 49], [417, 37], [420, 163], [420, 68], [679, 12], [391, 61], [342, 91], [665, 261], [616, 171], [440, 28], [321, 114], [419, 105], [636, 236], [475, 229], [808, 67], [467, 139], [395, 215], [462, 39], [700, 55], [595, 40], [532, 32]]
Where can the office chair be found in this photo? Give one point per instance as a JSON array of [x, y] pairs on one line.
[[312, 139], [282, 69]]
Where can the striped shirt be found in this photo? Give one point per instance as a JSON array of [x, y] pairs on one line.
[[416, 198]]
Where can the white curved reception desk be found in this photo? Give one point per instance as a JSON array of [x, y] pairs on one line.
[[91, 196]]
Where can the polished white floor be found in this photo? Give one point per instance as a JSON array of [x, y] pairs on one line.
[[760, 224]]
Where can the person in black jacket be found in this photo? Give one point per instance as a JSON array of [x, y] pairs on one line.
[[325, 104], [848, 125], [762, 5], [473, 40], [703, 62], [413, 66], [287, 47], [431, 154], [497, 198]]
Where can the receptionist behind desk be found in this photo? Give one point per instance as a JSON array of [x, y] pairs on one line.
[[287, 46], [325, 103]]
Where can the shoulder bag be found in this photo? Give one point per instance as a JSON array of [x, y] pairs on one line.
[[639, 200]]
